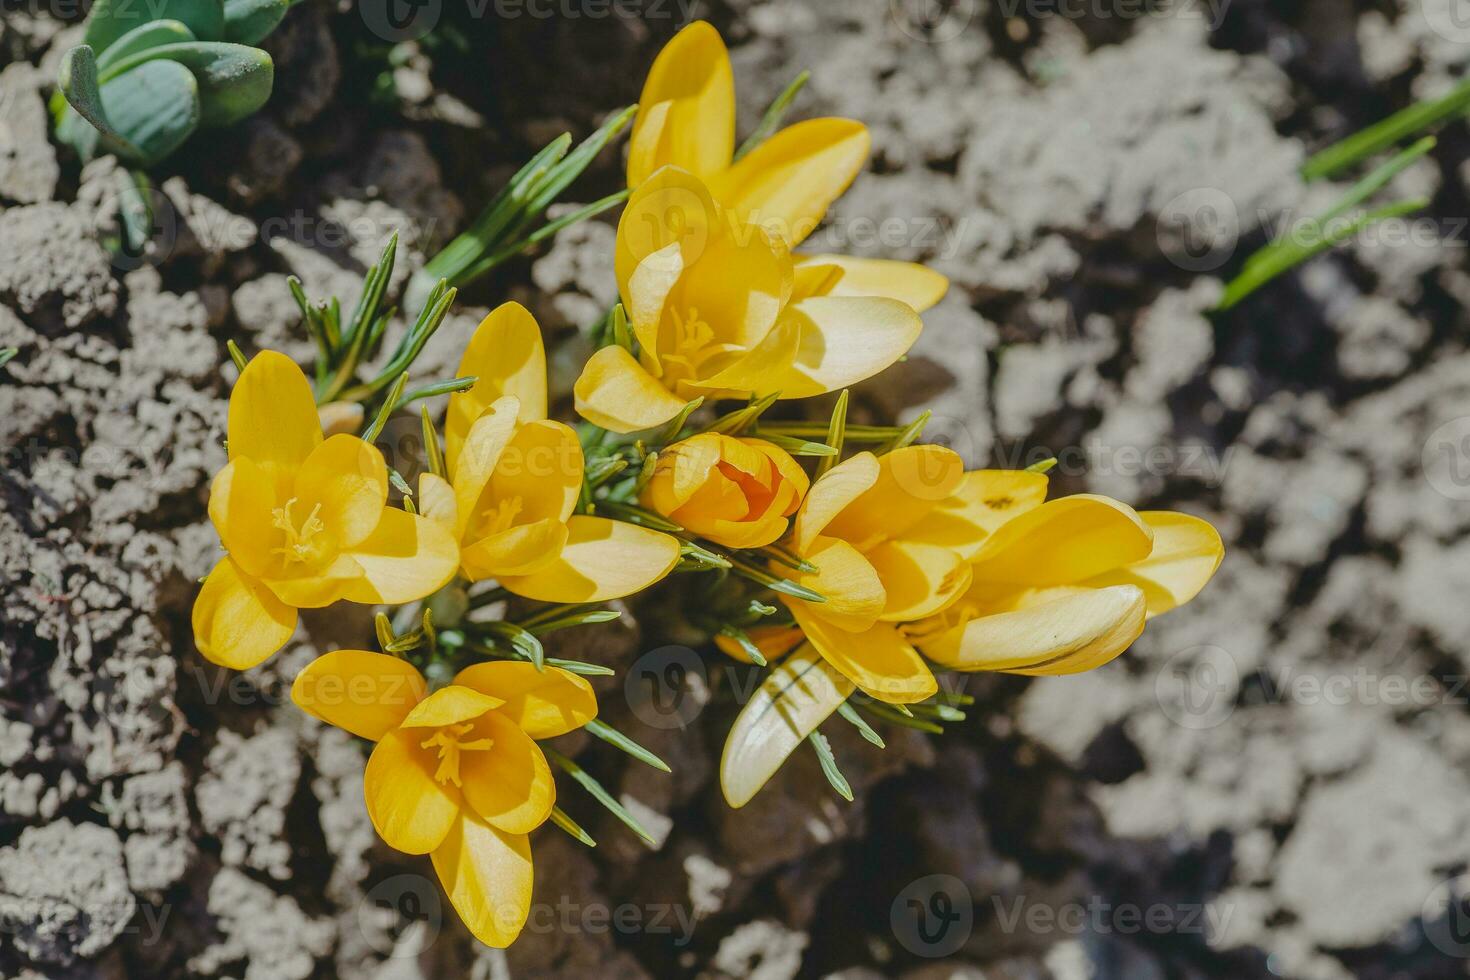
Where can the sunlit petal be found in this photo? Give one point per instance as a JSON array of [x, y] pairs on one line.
[[603, 559], [1185, 555], [618, 393], [409, 808], [238, 622], [509, 784], [487, 875], [544, 703], [273, 418], [879, 659], [912, 284], [1064, 540], [506, 354], [406, 557], [367, 694], [846, 339], [692, 89]]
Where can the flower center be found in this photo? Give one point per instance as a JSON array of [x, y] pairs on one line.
[[450, 742], [298, 542], [501, 516], [694, 346]]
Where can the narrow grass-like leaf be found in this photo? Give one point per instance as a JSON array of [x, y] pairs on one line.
[[617, 739], [771, 118], [560, 818], [736, 422], [1042, 466], [829, 765], [782, 585], [1385, 134], [907, 435], [836, 434], [601, 795], [236, 354], [386, 409], [746, 643], [432, 450], [847, 711]]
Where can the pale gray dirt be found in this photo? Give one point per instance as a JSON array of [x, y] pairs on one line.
[[1271, 783]]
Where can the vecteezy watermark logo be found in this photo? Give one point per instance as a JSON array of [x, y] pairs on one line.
[[1450, 19], [396, 21], [933, 916], [1446, 917], [401, 916], [1199, 229], [1196, 688], [667, 688], [935, 21], [1446, 458]]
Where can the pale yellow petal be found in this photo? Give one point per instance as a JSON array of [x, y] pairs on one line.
[[830, 493], [603, 559], [514, 551], [508, 784], [407, 557], [544, 703], [507, 355], [409, 808], [1063, 541], [242, 503], [1186, 553], [367, 694], [914, 285], [790, 703], [786, 184], [846, 339], [1069, 634], [681, 470], [487, 875], [317, 587], [541, 468], [470, 470], [694, 89], [618, 393], [452, 705], [847, 580], [879, 659], [759, 370], [919, 580], [345, 483], [272, 417], [436, 500], [911, 482], [238, 622], [672, 207]]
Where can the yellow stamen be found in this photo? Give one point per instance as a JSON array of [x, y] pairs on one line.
[[501, 517], [297, 547], [449, 742]]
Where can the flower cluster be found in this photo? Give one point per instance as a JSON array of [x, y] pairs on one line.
[[849, 562]]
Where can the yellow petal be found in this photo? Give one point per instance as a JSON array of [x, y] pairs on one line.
[[773, 642], [848, 581], [648, 290], [514, 551], [681, 470], [790, 703], [918, 579], [1062, 541], [436, 500], [406, 557], [830, 493], [470, 470], [506, 354], [409, 808], [618, 393], [787, 468], [242, 501], [786, 184], [694, 89], [238, 622], [367, 694], [737, 284], [315, 589], [544, 703], [846, 339], [1066, 635], [879, 659], [983, 501], [345, 482], [452, 705], [487, 875], [911, 482], [603, 559], [273, 416], [745, 534], [911, 284], [760, 369], [542, 465], [1185, 555], [672, 207], [508, 784]]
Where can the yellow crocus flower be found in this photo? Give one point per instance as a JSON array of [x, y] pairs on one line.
[[455, 774], [304, 521], [735, 492], [514, 480]]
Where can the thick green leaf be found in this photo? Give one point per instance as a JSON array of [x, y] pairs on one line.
[[141, 38], [153, 108], [77, 79], [250, 21], [791, 702], [234, 79], [111, 19]]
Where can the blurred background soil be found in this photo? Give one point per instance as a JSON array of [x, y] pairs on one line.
[[1271, 783]]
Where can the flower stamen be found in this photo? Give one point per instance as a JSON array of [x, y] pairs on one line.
[[449, 741], [298, 542]]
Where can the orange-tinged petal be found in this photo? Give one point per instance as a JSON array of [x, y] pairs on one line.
[[273, 417], [849, 582], [830, 493], [409, 808], [544, 703], [846, 339], [1063, 541], [879, 659], [508, 784], [406, 557], [745, 534], [367, 694], [681, 470], [911, 482], [919, 580], [541, 465], [506, 354], [617, 393], [470, 470], [787, 183], [238, 622], [452, 705], [242, 501], [345, 483], [789, 470], [912, 284], [436, 500], [514, 551], [603, 559], [1186, 553], [693, 89], [1072, 633], [487, 876]]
